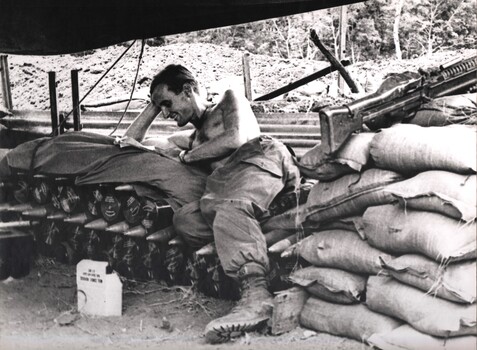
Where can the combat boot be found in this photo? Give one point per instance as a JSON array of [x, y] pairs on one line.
[[250, 314]]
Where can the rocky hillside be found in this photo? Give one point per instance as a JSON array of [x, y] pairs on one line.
[[216, 68]]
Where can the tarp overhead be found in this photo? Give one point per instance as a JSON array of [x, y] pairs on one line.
[[48, 27]]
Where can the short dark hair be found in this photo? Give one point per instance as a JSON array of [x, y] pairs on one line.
[[174, 76]]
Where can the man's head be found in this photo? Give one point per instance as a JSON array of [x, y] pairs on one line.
[[174, 76], [174, 90]]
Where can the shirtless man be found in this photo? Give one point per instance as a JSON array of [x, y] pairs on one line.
[[219, 129], [248, 171]]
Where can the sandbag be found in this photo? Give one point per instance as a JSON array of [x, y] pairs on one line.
[[333, 285], [352, 157], [352, 321], [447, 110], [349, 195], [352, 223], [455, 282], [341, 249], [398, 231], [407, 338], [440, 191], [430, 315], [291, 219], [410, 149]]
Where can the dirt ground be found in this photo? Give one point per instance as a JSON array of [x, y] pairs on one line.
[[40, 312]]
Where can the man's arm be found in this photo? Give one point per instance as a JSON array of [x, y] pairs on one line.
[[139, 127], [182, 139], [240, 126]]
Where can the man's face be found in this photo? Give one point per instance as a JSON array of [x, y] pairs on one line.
[[173, 106]]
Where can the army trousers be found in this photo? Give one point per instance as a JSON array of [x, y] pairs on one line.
[[236, 196]]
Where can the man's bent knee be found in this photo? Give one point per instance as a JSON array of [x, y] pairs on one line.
[[191, 226]]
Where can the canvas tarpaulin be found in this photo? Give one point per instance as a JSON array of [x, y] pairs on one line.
[[95, 159], [51, 27]]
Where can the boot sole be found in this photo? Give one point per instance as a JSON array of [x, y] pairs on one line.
[[222, 334]]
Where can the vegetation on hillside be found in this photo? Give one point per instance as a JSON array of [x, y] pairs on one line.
[[376, 29]]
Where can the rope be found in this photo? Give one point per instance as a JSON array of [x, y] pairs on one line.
[[94, 86], [133, 87]]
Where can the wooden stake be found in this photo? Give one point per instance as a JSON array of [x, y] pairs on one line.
[[5, 82], [53, 103], [76, 99], [296, 84], [287, 307], [314, 38], [246, 76], [342, 47]]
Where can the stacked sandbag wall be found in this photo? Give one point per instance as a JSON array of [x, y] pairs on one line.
[[405, 224]]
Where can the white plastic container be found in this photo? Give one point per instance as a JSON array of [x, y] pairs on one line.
[[99, 289]]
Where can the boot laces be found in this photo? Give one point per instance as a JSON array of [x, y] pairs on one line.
[[252, 291]]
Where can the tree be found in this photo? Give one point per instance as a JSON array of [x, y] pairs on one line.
[[435, 24], [397, 19]]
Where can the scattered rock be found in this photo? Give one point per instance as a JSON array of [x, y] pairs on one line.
[[67, 318], [308, 334], [166, 324]]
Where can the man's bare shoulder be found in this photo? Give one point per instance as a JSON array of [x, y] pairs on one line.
[[233, 101], [232, 98]]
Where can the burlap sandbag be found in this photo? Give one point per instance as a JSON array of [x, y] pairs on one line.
[[352, 321], [410, 149], [341, 249], [455, 282], [352, 223], [447, 110], [291, 219], [407, 338], [398, 231], [352, 157], [430, 315], [349, 195], [440, 191], [333, 285]]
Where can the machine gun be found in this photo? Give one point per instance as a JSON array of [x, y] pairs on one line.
[[402, 99]]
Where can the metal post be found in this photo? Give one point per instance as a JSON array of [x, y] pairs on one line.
[[53, 102], [246, 76], [5, 82], [76, 99], [342, 47]]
